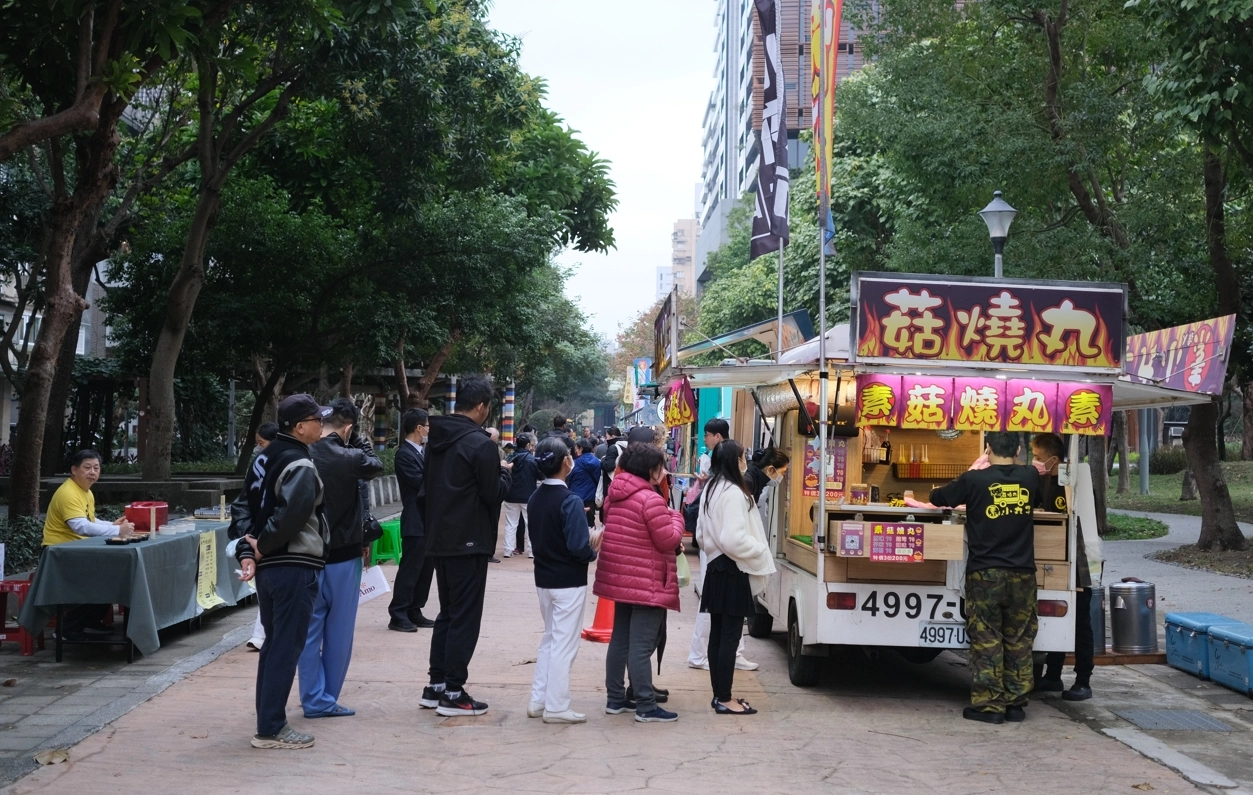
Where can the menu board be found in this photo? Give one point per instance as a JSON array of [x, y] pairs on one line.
[[896, 543]]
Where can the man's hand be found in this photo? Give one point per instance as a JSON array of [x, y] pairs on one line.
[[125, 529], [595, 538], [248, 569], [252, 542], [506, 465]]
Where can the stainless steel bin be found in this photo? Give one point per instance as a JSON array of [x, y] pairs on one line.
[[1133, 616]]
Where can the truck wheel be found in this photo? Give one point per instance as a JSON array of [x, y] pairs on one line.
[[760, 624], [801, 670]]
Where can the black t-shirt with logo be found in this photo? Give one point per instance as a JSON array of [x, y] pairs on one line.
[[1052, 494], [999, 500]]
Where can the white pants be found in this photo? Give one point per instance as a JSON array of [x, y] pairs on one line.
[[513, 510], [562, 609], [698, 654], [258, 631]]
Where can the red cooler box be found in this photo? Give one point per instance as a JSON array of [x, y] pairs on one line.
[[140, 515]]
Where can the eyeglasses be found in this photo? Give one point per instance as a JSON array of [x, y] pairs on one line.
[[310, 419]]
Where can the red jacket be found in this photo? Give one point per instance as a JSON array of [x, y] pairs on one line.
[[637, 557]]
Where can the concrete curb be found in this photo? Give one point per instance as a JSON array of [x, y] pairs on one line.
[[12, 770], [1160, 752]]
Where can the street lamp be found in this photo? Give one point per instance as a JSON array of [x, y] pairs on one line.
[[998, 215]]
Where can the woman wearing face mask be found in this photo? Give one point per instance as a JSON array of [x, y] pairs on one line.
[[764, 472], [730, 532]]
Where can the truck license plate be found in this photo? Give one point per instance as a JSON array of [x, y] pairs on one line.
[[945, 634]]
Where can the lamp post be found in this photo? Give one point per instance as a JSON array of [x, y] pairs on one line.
[[998, 215]]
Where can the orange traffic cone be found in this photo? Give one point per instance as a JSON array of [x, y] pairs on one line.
[[602, 626]]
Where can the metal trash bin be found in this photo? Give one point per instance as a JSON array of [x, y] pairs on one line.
[[1133, 616]]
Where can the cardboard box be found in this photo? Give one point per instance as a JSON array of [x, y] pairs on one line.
[[1052, 575], [928, 571], [1050, 539]]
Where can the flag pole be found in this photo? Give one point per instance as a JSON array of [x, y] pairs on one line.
[[820, 535], [778, 355]]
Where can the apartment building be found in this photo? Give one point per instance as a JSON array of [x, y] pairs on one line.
[[732, 116]]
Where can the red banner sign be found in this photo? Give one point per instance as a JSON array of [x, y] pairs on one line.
[[1076, 325], [984, 404], [1192, 357]]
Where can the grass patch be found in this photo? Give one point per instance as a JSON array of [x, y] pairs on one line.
[[1134, 528], [1238, 564], [1163, 496]]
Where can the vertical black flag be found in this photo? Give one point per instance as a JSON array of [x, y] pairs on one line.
[[770, 221]]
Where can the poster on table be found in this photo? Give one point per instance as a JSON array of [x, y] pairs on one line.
[[878, 399], [207, 572], [896, 543], [837, 468], [979, 404], [1085, 409], [1015, 322], [928, 402], [1192, 357]]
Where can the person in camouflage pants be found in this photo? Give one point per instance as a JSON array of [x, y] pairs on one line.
[[1001, 624]]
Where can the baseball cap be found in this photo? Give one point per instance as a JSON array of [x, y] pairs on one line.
[[295, 408]]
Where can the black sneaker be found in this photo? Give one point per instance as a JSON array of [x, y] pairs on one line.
[[660, 694], [1078, 693], [430, 697], [1047, 685], [619, 707], [970, 713], [461, 705], [401, 625], [658, 715], [420, 621], [1015, 714]]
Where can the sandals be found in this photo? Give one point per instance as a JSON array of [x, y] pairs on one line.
[[724, 710]]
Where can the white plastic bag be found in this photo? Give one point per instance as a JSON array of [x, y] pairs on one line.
[[373, 584]]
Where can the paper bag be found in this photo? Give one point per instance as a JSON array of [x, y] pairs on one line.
[[373, 584]]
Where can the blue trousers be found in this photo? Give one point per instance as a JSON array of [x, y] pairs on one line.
[[286, 595], [328, 650]]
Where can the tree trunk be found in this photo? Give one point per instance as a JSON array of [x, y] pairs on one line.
[[179, 306], [1218, 520], [402, 382], [1100, 479], [418, 397], [345, 380], [1120, 445], [1188, 492], [258, 415], [1246, 439]]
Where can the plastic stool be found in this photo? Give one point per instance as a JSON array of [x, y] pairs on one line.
[[17, 633], [387, 547]]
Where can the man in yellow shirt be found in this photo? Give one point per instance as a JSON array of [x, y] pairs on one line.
[[72, 512]]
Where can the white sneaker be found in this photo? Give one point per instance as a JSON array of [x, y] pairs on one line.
[[742, 664], [535, 710], [569, 716], [510, 555], [703, 666]]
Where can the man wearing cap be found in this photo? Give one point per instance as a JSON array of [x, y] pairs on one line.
[[286, 539]]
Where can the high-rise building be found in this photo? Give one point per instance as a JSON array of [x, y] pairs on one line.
[[665, 280], [683, 255], [733, 114]]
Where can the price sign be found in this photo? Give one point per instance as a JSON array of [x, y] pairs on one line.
[[896, 543]]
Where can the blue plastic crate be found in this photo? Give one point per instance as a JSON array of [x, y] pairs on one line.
[[1187, 640], [1230, 663]]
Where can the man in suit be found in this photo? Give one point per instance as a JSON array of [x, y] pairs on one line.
[[413, 579]]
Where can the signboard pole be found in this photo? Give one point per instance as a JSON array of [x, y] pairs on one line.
[[778, 352], [1145, 453], [820, 531]]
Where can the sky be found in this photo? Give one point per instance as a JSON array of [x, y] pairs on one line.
[[633, 78]]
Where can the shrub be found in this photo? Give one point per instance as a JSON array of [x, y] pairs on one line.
[[1167, 461], [23, 541], [388, 457]]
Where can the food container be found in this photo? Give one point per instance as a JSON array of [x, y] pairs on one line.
[[140, 514], [859, 494]]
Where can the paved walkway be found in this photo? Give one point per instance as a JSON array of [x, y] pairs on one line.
[[872, 726]]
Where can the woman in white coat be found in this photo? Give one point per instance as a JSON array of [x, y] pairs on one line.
[[730, 533]]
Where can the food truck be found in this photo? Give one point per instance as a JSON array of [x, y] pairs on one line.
[[926, 366]]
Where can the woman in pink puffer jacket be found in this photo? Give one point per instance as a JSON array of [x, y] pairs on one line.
[[636, 569]]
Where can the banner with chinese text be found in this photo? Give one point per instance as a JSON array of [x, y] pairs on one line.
[[984, 404], [1076, 325], [837, 468], [680, 403], [1191, 357]]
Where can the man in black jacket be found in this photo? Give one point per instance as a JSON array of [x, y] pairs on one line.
[[465, 484], [559, 429], [526, 478], [413, 578], [343, 459], [284, 547]]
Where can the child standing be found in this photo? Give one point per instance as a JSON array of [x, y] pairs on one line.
[[563, 547]]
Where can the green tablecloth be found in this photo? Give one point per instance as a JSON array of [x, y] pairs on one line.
[[155, 579]]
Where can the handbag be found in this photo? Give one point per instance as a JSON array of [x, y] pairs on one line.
[[373, 584], [371, 528], [684, 570]]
